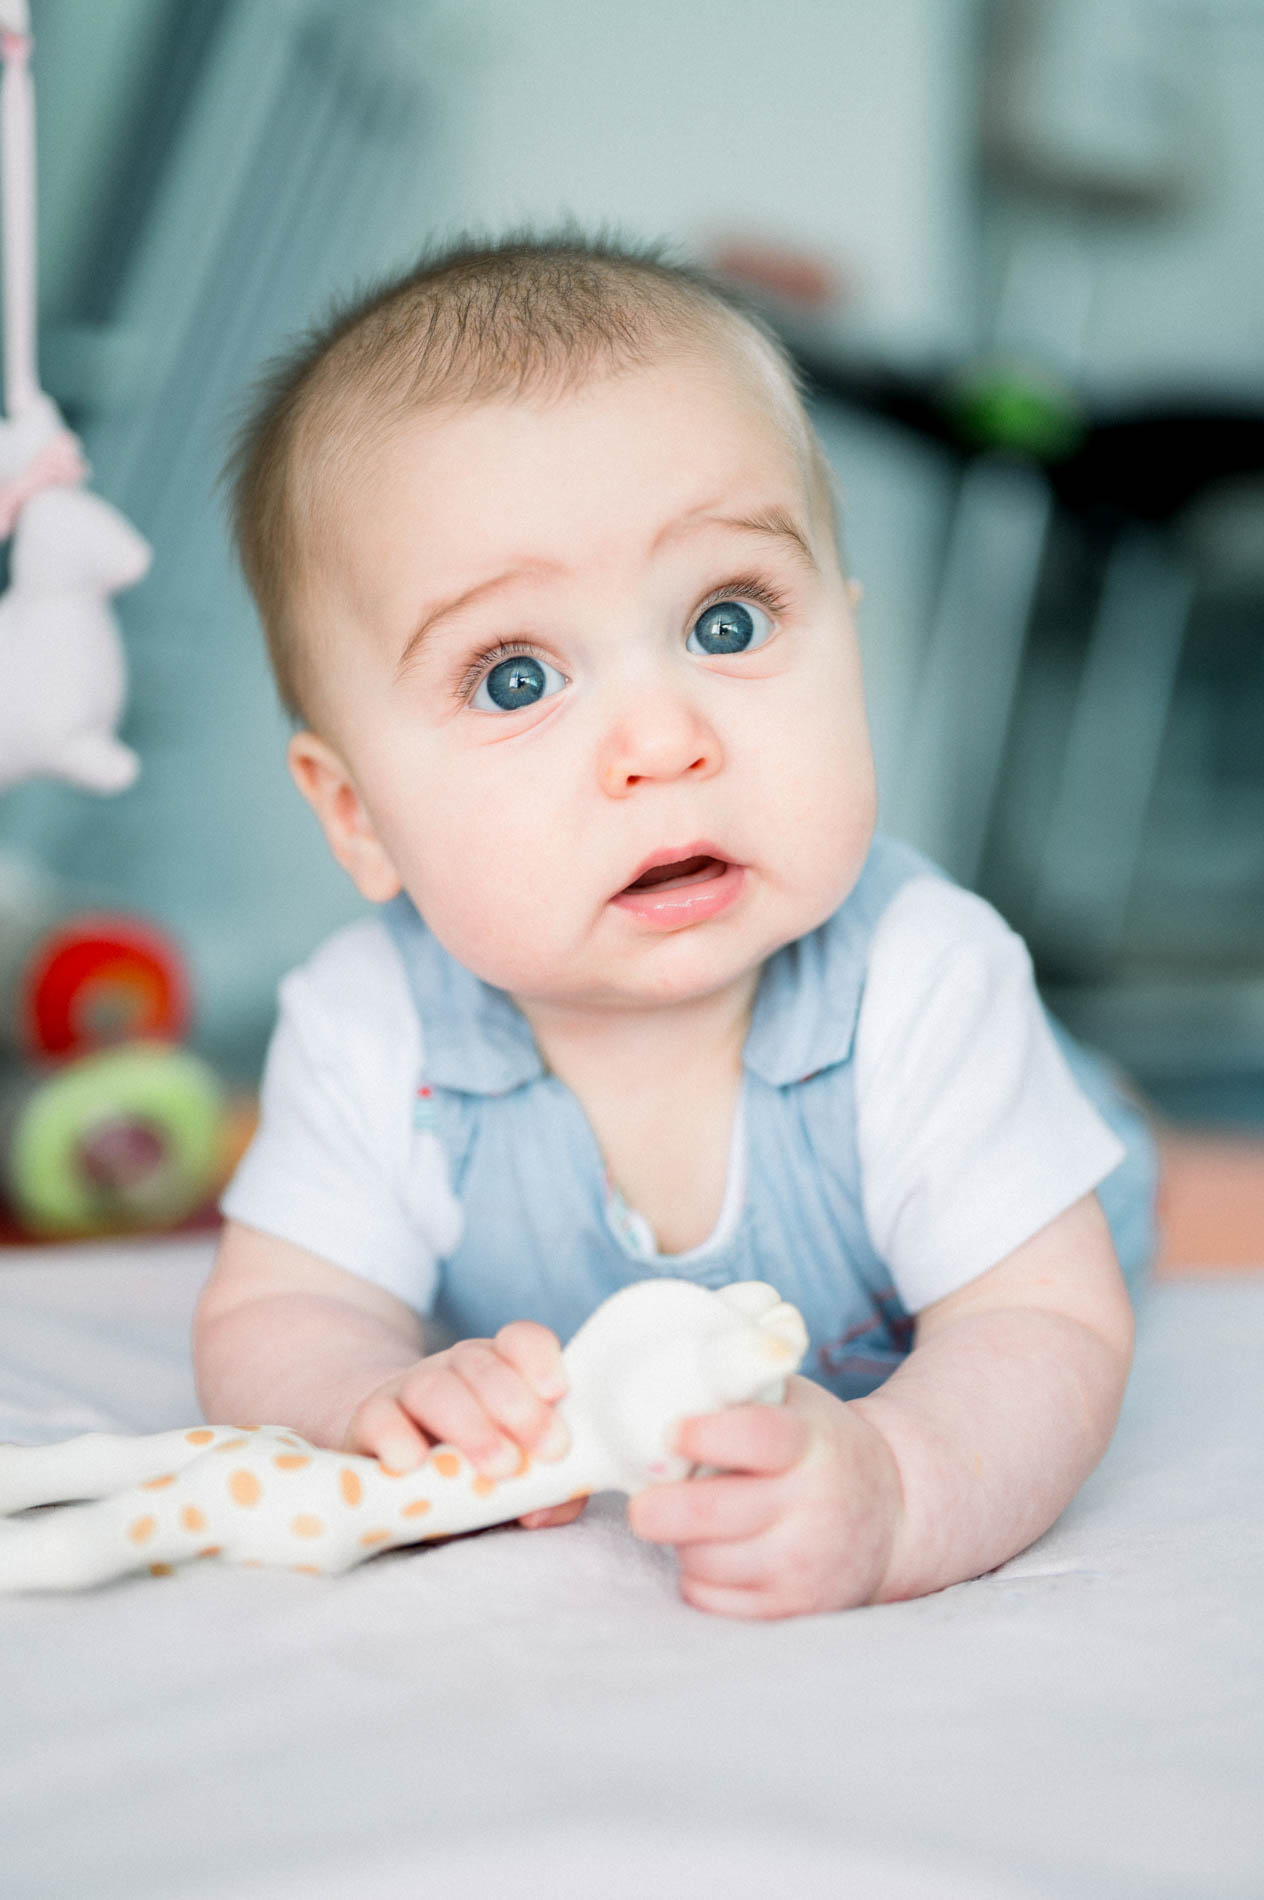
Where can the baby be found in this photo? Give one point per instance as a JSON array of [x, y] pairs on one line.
[[546, 555]]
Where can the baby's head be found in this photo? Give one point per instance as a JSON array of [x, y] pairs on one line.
[[545, 550]]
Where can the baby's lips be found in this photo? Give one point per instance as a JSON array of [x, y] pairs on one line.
[[676, 856]]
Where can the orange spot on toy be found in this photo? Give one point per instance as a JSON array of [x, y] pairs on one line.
[[199, 1437], [306, 1525], [142, 1530], [417, 1508], [291, 1461], [447, 1464], [157, 1484], [350, 1486], [375, 1537], [193, 1519], [245, 1488]]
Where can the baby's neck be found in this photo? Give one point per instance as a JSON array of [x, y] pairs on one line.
[[660, 1089], [639, 1050]]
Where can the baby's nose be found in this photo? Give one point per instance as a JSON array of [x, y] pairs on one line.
[[661, 737]]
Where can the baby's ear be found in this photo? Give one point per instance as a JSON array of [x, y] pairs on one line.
[[329, 789]]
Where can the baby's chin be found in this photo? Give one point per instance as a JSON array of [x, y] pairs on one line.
[[613, 965], [666, 973], [630, 999], [657, 975]]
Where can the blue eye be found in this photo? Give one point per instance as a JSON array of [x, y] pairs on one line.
[[730, 626], [518, 681]]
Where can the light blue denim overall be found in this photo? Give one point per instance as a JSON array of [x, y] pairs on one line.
[[546, 1237]]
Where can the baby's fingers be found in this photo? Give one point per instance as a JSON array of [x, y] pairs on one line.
[[479, 1402], [456, 1404], [761, 1439], [557, 1514], [536, 1353], [705, 1511], [382, 1429]]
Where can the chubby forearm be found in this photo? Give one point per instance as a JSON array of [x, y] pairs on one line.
[[993, 1423], [301, 1359]]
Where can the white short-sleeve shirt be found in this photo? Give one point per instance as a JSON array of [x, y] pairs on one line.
[[971, 1132]]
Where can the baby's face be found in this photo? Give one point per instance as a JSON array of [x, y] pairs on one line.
[[593, 678]]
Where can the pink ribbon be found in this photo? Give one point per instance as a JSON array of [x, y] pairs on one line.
[[59, 464]]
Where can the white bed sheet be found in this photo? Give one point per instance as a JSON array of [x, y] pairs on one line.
[[538, 1714]]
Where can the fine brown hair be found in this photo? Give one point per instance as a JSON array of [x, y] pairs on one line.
[[471, 322]]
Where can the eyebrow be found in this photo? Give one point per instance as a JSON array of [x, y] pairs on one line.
[[773, 524], [525, 570]]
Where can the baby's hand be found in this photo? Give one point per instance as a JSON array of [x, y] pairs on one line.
[[802, 1517], [491, 1398]]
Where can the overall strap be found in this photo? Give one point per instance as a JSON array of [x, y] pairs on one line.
[[444, 1114], [810, 992], [805, 1175]]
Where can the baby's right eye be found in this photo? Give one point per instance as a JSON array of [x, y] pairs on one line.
[[521, 680]]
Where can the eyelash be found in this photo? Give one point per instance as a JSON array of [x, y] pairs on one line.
[[482, 663], [746, 587]]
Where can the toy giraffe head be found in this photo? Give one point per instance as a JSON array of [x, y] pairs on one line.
[[654, 1354]]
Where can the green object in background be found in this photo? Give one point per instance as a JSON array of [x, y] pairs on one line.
[[1017, 409], [130, 1138]]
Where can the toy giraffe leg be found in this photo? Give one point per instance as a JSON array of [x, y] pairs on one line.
[[268, 1497], [75, 1548], [97, 1464], [656, 1353]]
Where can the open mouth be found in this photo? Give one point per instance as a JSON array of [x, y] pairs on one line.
[[679, 872], [672, 893]]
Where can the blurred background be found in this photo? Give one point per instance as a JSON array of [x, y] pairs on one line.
[[1018, 249]]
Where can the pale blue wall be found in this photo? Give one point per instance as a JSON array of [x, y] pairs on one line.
[[835, 122], [212, 170]]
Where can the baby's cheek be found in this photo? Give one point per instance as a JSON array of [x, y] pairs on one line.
[[846, 797], [491, 860], [499, 920]]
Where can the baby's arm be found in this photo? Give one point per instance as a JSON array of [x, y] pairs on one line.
[[283, 1337], [967, 1453], [1006, 1404]]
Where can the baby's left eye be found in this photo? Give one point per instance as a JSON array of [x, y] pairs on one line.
[[729, 626]]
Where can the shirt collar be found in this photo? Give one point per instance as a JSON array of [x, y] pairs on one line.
[[477, 1040], [807, 1003]]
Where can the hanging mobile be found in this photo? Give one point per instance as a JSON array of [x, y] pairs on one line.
[[62, 670]]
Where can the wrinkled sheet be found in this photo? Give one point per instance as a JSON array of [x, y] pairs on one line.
[[536, 1714]]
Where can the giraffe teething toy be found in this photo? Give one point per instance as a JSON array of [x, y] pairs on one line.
[[652, 1355]]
